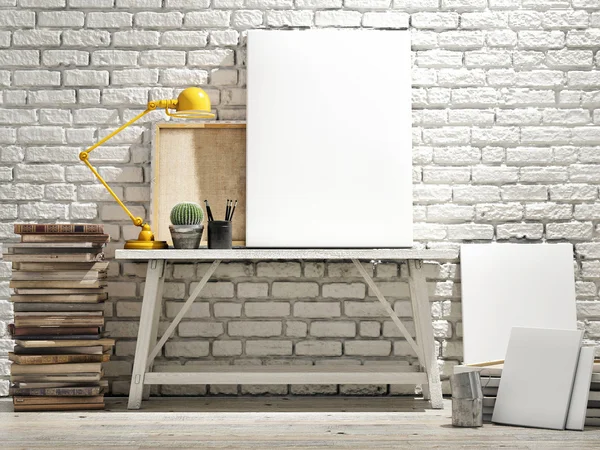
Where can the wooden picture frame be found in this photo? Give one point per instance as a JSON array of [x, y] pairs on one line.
[[194, 162]]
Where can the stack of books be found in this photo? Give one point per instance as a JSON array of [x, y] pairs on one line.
[[58, 284]]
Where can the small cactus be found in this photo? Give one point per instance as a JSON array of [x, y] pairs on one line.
[[187, 213]]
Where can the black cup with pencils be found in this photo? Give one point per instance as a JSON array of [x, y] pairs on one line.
[[220, 231]]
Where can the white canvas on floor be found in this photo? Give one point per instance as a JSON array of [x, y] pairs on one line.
[[513, 285], [581, 389], [537, 378], [329, 159]]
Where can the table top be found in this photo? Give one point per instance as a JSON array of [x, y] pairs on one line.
[[253, 253]]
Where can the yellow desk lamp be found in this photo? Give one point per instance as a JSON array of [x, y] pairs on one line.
[[192, 103]]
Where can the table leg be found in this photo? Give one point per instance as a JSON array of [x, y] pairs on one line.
[[154, 329], [150, 309], [424, 329]]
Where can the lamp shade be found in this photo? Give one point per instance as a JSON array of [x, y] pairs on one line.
[[193, 103]]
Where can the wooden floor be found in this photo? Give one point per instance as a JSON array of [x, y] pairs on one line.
[[269, 422]]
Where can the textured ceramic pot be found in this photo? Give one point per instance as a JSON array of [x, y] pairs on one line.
[[186, 236]]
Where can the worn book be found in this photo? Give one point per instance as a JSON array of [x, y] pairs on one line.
[[57, 359], [58, 228], [66, 350], [58, 284], [60, 266], [104, 342], [51, 313], [58, 407], [58, 377], [103, 384], [56, 307], [51, 331], [58, 392], [62, 275], [86, 297], [48, 369], [56, 237], [64, 321], [49, 246], [54, 257], [55, 400], [58, 291]]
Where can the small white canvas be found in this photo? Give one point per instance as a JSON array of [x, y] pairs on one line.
[[581, 389], [513, 285], [329, 159], [524, 397]]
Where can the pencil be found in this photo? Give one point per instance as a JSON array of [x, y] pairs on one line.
[[232, 211], [227, 210], [208, 211]]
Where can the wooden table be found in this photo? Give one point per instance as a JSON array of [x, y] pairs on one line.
[[147, 347]]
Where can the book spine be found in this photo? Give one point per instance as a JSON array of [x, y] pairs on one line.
[[64, 228], [56, 359], [57, 392]]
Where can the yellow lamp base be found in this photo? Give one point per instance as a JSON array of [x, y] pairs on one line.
[[136, 244]]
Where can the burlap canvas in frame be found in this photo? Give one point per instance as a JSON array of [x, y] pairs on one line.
[[194, 162]]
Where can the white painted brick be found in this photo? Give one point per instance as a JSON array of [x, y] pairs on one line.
[[61, 19], [17, 19], [124, 96], [189, 349], [278, 269], [268, 347], [344, 290], [86, 38], [387, 20], [136, 38], [314, 270], [471, 117], [227, 348], [565, 58], [318, 348], [439, 58], [95, 115], [183, 77], [338, 18], [268, 4], [186, 39], [524, 193], [207, 19], [282, 289], [499, 212], [266, 309], [317, 309], [295, 328], [571, 230], [200, 329], [141, 4], [36, 38], [333, 329], [77, 77], [252, 290], [289, 18], [431, 194], [46, 211], [172, 19], [134, 77], [109, 20], [19, 58], [520, 231], [370, 347], [456, 155], [246, 19], [449, 213], [22, 191], [223, 37], [65, 58], [484, 20], [446, 175], [227, 309], [316, 4], [254, 328], [567, 19]]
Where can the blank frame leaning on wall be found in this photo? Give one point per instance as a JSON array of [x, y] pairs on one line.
[[329, 156]]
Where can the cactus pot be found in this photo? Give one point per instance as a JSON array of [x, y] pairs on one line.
[[186, 236]]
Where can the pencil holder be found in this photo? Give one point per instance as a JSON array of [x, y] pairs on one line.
[[219, 234]]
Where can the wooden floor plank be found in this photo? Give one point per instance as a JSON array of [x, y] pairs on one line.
[[270, 422]]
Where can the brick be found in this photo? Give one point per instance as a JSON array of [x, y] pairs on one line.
[[318, 348], [159, 20], [333, 329], [200, 329], [282, 289], [61, 19], [183, 77], [134, 77], [254, 328], [227, 348], [266, 309], [17, 19], [197, 310], [278, 269], [344, 290], [367, 348], [19, 58], [207, 19], [186, 39], [186, 349], [289, 18], [338, 18], [158, 58], [246, 19], [109, 20], [136, 38], [295, 328], [252, 290], [268, 348], [227, 309], [317, 309]]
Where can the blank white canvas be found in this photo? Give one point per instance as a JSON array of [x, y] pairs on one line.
[[528, 395], [329, 160], [513, 285], [581, 389]]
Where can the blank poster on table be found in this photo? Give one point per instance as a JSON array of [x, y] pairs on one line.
[[537, 379], [329, 159], [513, 285], [581, 389]]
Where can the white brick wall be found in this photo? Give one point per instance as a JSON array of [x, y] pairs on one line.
[[506, 147]]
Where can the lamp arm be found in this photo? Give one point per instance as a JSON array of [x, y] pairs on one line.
[[84, 156]]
